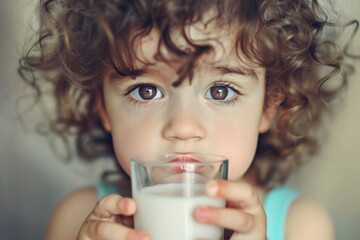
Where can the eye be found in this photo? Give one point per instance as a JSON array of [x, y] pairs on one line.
[[220, 92], [145, 92]]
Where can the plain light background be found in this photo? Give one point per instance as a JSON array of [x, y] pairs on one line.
[[33, 180]]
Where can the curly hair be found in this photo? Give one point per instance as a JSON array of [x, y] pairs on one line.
[[79, 41]]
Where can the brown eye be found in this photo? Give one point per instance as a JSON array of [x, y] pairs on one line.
[[145, 92], [219, 92], [222, 93]]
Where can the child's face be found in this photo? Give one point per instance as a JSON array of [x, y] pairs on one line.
[[221, 112]]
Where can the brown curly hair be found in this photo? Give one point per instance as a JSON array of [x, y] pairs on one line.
[[79, 41]]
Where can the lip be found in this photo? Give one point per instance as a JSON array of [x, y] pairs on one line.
[[185, 164]]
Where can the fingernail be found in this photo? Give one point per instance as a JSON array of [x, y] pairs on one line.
[[142, 236], [125, 205], [202, 213], [212, 188]]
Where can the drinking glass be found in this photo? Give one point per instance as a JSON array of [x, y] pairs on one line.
[[168, 187]]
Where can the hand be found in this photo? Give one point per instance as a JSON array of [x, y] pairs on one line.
[[243, 217], [111, 218]]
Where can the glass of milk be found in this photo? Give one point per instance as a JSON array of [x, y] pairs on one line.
[[168, 187]]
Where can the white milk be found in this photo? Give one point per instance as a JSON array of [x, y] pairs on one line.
[[166, 212]]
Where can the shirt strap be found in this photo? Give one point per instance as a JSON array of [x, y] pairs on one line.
[[277, 204], [103, 189]]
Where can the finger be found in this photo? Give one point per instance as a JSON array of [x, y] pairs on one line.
[[229, 218], [239, 193], [113, 204], [112, 231]]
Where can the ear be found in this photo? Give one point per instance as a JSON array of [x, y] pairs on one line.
[[267, 117], [103, 113]]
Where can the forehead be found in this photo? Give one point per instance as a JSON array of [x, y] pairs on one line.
[[220, 42], [186, 49]]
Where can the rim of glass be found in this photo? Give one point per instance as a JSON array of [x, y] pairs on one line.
[[151, 159]]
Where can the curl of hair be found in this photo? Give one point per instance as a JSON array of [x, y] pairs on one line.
[[80, 40]]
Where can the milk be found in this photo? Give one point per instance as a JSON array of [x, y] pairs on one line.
[[166, 211]]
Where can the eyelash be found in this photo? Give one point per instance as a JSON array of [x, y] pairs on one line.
[[230, 85], [139, 103]]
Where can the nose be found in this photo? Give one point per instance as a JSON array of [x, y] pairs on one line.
[[184, 122]]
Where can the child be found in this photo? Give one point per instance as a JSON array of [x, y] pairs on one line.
[[229, 77]]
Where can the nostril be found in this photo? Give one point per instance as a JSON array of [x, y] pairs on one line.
[[184, 122], [183, 130]]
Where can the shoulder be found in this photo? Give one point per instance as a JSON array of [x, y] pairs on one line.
[[70, 213], [308, 220]]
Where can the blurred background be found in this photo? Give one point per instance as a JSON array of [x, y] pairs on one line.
[[33, 180]]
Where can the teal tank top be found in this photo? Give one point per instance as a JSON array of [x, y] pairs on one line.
[[276, 205]]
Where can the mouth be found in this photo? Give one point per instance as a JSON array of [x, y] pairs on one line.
[[185, 163]]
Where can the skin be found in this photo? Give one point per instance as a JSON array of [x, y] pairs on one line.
[[185, 119]]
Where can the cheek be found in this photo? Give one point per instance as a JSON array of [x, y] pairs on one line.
[[129, 141], [238, 143]]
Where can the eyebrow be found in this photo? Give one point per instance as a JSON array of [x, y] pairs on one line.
[[131, 73], [236, 70], [223, 69]]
